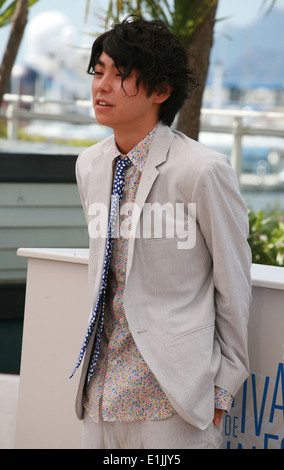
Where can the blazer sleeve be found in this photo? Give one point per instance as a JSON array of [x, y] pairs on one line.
[[223, 219]]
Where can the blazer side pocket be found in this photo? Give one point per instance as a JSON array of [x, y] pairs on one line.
[[194, 347]]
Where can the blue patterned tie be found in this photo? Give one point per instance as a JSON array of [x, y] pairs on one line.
[[99, 309]]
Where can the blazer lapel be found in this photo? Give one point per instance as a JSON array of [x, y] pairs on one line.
[[157, 155], [101, 186]]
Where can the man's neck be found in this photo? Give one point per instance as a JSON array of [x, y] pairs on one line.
[[126, 141]]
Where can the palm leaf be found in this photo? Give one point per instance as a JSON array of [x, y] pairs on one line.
[[183, 18], [271, 6], [188, 16], [7, 14], [2, 3]]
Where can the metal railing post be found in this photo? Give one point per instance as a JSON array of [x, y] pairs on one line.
[[237, 153], [12, 121]]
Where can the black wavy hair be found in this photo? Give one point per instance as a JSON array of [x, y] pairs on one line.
[[155, 53]]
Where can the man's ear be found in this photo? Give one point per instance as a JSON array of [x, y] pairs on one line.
[[163, 93]]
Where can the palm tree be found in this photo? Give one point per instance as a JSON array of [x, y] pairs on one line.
[[17, 13], [199, 41]]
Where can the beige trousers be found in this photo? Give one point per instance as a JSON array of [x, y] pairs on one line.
[[170, 433]]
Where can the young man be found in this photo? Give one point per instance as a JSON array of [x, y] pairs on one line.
[[166, 348]]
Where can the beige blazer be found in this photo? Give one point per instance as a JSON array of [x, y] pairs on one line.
[[187, 308]]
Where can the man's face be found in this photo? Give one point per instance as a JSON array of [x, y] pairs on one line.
[[121, 108]]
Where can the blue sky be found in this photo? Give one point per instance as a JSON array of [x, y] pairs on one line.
[[241, 12]]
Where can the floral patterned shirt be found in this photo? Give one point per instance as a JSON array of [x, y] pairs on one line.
[[122, 382]]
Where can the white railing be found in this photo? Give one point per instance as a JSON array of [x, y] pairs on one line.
[[42, 109], [238, 123]]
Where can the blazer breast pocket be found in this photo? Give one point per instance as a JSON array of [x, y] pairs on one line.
[[169, 222], [185, 240], [166, 236]]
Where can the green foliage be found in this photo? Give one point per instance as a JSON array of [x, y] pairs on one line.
[[7, 9], [188, 16], [183, 17], [22, 135], [266, 237], [3, 129]]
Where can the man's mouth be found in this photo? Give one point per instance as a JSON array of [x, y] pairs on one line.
[[102, 103]]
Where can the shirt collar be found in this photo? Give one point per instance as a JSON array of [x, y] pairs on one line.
[[139, 153]]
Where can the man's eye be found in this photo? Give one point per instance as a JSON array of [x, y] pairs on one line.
[[96, 72]]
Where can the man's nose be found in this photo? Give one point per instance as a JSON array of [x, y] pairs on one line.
[[104, 84]]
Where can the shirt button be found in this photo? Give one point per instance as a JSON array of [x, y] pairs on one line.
[[114, 362]]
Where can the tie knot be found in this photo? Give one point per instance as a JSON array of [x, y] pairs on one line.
[[123, 162], [121, 165]]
